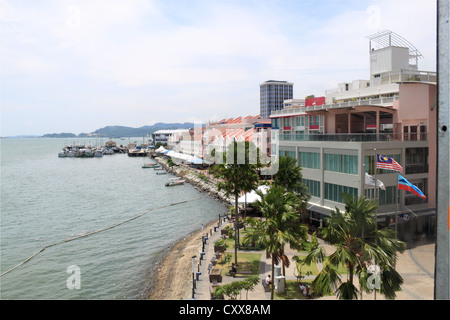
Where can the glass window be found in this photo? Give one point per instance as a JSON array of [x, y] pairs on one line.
[[341, 163], [334, 192], [313, 187], [309, 160]]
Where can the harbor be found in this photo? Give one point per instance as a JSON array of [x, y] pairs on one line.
[[66, 199]]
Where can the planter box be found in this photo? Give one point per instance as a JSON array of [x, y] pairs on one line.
[[219, 248], [215, 276]]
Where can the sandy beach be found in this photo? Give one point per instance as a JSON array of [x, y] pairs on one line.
[[172, 279], [174, 275]]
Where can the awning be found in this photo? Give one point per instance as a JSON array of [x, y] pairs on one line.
[[252, 197], [319, 209]]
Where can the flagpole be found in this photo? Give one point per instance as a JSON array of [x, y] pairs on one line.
[[396, 211], [376, 211]]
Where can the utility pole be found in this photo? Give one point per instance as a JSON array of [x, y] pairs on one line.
[[442, 271]]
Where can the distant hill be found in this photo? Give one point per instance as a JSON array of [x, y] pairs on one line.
[[59, 135], [121, 131]]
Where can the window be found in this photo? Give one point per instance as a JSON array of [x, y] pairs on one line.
[[287, 154], [313, 187], [334, 192], [341, 163], [416, 160], [309, 160], [386, 197]]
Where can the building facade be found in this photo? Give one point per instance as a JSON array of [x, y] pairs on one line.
[[273, 93], [336, 144]]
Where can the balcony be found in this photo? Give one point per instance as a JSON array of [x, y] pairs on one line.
[[384, 102], [352, 137]]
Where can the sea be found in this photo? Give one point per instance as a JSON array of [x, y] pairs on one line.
[[47, 200]]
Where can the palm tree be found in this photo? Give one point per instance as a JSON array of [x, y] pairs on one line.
[[237, 175], [289, 176], [358, 244], [278, 227]]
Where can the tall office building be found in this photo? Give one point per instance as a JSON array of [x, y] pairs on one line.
[[272, 95]]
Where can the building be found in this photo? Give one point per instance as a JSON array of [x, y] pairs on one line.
[[163, 136], [272, 94], [336, 142]]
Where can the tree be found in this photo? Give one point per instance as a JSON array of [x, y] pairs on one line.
[[359, 245], [237, 174], [289, 176], [278, 227]]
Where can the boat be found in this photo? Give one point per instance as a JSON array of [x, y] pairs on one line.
[[175, 182], [158, 173], [149, 165]]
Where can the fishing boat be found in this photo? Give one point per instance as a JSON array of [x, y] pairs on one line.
[[175, 182], [149, 165]]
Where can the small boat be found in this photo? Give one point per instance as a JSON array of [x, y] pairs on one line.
[[158, 173], [174, 182], [149, 165]]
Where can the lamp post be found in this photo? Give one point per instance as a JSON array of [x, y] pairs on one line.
[[193, 279]]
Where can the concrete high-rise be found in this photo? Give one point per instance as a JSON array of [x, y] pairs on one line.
[[272, 95]]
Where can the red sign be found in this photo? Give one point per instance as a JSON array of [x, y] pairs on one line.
[[314, 101]]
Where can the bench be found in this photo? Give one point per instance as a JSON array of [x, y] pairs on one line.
[[241, 272], [210, 266], [265, 285]]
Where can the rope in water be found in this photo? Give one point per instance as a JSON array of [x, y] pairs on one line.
[[93, 232]]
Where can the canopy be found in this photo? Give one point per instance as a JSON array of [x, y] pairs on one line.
[[252, 196], [181, 156]]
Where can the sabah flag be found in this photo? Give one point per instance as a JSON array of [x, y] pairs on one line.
[[388, 163], [404, 184]]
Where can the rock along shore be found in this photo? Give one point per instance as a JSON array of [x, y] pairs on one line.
[[206, 185]]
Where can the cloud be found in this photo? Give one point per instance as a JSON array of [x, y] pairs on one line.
[[142, 61]]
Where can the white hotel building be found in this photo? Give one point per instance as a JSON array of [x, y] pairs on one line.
[[391, 114]]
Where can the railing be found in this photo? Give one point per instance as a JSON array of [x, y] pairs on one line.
[[351, 137], [359, 102]]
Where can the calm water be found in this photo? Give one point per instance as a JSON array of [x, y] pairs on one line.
[[46, 199]]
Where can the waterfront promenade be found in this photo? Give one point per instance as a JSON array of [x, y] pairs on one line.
[[415, 265]]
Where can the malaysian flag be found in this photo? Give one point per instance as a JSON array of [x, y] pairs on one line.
[[388, 163]]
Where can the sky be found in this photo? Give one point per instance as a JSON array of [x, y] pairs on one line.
[[77, 66]]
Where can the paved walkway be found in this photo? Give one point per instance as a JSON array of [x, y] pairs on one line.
[[415, 265]]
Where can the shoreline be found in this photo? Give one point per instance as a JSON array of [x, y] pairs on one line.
[[170, 276]]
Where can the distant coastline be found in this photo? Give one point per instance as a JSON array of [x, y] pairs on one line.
[[114, 131]]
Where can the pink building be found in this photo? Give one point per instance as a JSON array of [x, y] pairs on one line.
[[336, 142]]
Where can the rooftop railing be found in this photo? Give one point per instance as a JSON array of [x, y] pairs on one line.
[[360, 102], [354, 137]]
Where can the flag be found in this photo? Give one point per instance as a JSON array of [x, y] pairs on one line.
[[370, 181], [404, 184], [388, 163]]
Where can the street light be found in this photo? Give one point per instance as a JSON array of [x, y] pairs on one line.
[[193, 279]]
